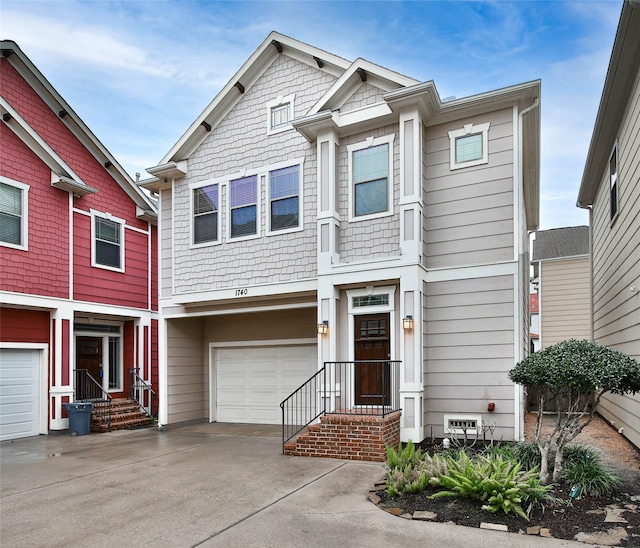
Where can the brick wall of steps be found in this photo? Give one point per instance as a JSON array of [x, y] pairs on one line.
[[125, 415]]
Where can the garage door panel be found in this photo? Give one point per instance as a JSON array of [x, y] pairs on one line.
[[251, 382], [19, 389]]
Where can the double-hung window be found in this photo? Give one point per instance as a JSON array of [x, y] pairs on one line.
[[108, 242], [469, 146], [205, 214], [13, 213], [613, 183], [370, 170], [284, 198], [244, 207]]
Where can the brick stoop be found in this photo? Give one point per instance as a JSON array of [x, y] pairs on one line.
[[125, 415], [348, 436]]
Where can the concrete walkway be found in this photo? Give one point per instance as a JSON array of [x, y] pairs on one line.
[[203, 485]]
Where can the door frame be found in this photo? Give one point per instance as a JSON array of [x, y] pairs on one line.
[[43, 381], [104, 335]]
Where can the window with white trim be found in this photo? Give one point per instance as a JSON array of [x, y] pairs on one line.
[[108, 241], [280, 113], [13, 213], [613, 183], [469, 146], [284, 199], [206, 218], [370, 178], [243, 204]]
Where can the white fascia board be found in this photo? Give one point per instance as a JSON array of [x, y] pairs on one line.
[[362, 115], [170, 170], [243, 293]]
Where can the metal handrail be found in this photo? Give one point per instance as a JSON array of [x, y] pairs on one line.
[[141, 392], [89, 389]]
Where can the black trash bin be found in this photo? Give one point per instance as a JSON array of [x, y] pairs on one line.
[[79, 418]]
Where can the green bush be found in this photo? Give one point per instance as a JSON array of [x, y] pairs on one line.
[[527, 454], [403, 456], [584, 468], [498, 481]]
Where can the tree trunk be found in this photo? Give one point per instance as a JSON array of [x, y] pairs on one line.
[[544, 463], [557, 465]]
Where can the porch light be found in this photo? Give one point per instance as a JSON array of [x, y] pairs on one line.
[[323, 328], [407, 323]]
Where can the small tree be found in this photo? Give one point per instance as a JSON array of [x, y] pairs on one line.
[[577, 373]]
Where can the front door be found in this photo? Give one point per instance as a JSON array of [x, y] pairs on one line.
[[89, 357], [372, 352]]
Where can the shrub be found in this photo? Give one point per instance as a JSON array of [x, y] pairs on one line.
[[584, 468], [403, 456]]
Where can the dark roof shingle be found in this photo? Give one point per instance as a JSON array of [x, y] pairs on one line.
[[561, 242]]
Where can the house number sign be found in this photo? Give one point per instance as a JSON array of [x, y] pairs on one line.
[[242, 292]]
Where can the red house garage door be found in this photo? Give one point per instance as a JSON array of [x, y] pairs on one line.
[[250, 382], [19, 393]]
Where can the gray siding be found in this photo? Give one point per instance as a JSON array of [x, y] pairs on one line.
[[469, 349], [366, 95], [240, 142], [616, 265], [469, 211], [564, 300], [186, 371], [165, 243]]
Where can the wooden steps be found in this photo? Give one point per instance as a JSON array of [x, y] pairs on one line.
[[125, 415]]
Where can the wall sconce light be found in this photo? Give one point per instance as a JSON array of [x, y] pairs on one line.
[[491, 406], [407, 323], [323, 328]]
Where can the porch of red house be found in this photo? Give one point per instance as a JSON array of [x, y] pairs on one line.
[[347, 410]]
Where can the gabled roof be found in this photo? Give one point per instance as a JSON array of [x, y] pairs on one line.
[[623, 68], [20, 62], [559, 243]]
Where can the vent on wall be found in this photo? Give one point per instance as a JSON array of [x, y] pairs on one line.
[[459, 424]]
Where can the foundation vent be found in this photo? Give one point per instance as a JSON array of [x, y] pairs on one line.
[[459, 424]]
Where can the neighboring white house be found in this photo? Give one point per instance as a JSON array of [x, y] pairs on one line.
[[561, 266], [610, 188], [320, 194]]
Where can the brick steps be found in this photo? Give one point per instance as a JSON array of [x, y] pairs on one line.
[[347, 436], [125, 415]]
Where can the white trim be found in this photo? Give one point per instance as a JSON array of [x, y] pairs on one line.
[[462, 417], [43, 380], [281, 101], [467, 131], [105, 336], [24, 214], [121, 222], [193, 187], [362, 145], [244, 310]]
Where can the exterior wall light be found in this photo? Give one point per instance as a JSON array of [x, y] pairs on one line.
[[407, 323], [323, 328]]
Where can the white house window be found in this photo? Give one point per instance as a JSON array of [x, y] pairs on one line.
[[370, 173], [244, 206], [469, 146], [284, 198], [280, 113], [205, 214], [13, 213], [613, 182], [108, 240]]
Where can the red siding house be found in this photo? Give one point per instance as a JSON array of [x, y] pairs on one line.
[[78, 257]]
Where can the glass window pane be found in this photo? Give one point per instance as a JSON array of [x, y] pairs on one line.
[[10, 214], [244, 191], [371, 197], [205, 228], [284, 213], [205, 199], [10, 229], [107, 230], [469, 148], [10, 199], [107, 254], [280, 115], [284, 182], [114, 363], [371, 163], [243, 221]]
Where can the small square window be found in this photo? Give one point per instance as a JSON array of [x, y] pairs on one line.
[[280, 112], [469, 146], [107, 243], [280, 115], [244, 206], [13, 213], [205, 214]]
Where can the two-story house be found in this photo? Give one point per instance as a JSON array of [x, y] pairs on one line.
[[610, 189], [78, 261], [334, 216]]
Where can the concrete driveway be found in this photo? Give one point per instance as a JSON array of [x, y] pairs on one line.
[[203, 485]]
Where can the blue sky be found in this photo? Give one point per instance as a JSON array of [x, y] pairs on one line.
[[139, 72]]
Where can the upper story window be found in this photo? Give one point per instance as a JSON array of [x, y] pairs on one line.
[[371, 178], [108, 241], [284, 198], [243, 207], [13, 213], [206, 220], [280, 113], [469, 146], [613, 182]]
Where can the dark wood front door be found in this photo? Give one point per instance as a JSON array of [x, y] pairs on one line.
[[372, 352], [89, 357]]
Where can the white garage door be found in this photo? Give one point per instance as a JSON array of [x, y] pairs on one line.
[[251, 382], [19, 388]]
